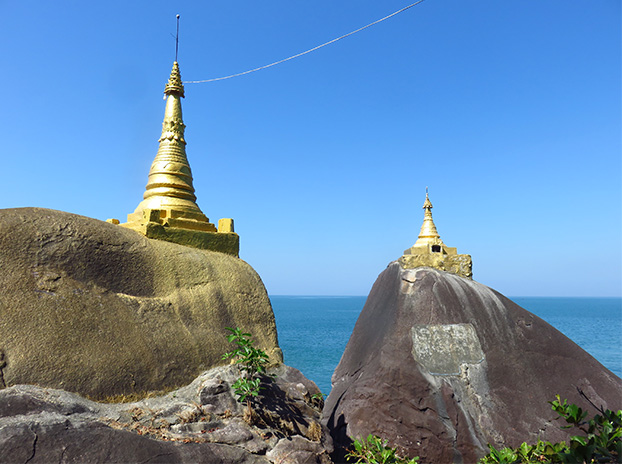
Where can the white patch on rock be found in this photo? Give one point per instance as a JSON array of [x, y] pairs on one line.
[[442, 348]]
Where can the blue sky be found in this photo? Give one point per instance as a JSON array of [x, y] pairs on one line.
[[508, 110]]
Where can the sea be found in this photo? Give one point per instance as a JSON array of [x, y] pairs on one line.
[[314, 330]]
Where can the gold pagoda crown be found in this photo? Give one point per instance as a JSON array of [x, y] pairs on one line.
[[174, 84]]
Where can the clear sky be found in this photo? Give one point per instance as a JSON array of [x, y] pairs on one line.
[[510, 111]]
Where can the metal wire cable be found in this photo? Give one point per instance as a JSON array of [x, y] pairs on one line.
[[308, 51]]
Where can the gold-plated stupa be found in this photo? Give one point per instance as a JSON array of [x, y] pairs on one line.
[[429, 250], [428, 236], [169, 210]]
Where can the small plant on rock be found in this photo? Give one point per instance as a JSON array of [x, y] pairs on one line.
[[317, 401], [252, 363], [601, 440], [543, 451], [246, 388], [375, 450]]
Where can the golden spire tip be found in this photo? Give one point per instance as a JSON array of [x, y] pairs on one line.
[[174, 86], [427, 204]]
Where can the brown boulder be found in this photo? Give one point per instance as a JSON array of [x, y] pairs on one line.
[[440, 366], [101, 310], [39, 425]]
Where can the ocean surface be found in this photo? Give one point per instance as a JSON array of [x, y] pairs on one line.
[[314, 330]]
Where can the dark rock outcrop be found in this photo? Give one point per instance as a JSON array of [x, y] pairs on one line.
[[199, 423], [440, 365], [100, 310]]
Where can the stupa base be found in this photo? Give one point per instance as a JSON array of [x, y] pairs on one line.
[[456, 264], [188, 232]]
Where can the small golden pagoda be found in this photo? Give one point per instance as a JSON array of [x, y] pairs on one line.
[[429, 250], [169, 210]]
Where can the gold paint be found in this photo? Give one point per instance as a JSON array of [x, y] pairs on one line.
[[428, 234], [429, 250], [169, 187], [169, 203], [225, 225]]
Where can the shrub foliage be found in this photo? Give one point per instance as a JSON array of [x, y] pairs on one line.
[[375, 450], [252, 363], [599, 442]]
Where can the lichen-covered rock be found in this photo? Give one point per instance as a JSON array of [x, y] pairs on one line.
[[97, 309], [298, 450], [41, 425], [440, 366]]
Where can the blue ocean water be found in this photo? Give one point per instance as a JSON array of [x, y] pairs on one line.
[[314, 330]]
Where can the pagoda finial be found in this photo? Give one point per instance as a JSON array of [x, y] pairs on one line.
[[427, 204], [177, 38], [174, 85]]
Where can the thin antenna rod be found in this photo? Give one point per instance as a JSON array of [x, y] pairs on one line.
[[177, 39]]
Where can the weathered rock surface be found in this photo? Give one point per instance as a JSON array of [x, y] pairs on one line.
[[100, 310], [440, 365], [40, 425]]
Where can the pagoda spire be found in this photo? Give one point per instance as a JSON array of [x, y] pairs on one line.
[[428, 233], [169, 186]]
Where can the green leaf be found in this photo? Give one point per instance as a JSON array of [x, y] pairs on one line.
[[578, 440]]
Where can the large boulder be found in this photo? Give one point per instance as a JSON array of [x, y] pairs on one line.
[[440, 366], [97, 309], [201, 422]]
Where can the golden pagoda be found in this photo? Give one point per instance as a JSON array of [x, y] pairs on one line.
[[169, 210], [429, 250]]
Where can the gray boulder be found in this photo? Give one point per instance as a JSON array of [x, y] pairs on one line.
[[39, 425], [101, 310], [440, 366]]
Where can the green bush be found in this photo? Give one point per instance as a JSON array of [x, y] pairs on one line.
[[601, 441], [375, 450], [252, 362]]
